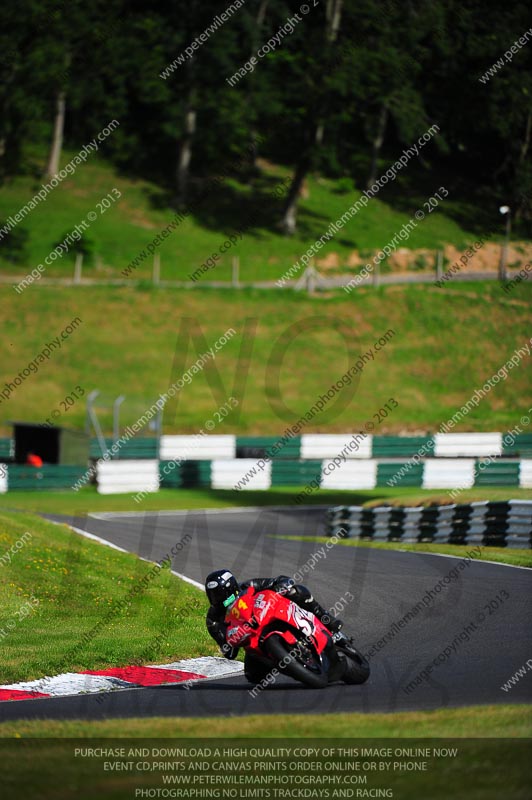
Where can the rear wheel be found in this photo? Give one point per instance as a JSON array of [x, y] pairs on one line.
[[298, 660]]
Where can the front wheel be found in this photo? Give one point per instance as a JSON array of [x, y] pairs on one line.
[[357, 667], [298, 661]]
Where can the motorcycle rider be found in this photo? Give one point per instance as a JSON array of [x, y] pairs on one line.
[[223, 589]]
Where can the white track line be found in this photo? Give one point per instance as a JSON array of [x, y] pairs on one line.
[[106, 515], [95, 538], [460, 558], [121, 549]]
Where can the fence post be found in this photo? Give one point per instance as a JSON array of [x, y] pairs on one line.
[[77, 267], [156, 268], [376, 274], [504, 247], [311, 278], [502, 262], [439, 265], [236, 272]]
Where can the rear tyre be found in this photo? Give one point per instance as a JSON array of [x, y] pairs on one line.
[[303, 666]]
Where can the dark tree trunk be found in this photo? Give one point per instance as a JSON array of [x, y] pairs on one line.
[[185, 156], [289, 219], [186, 143], [377, 144], [57, 138], [522, 203], [253, 134], [333, 14], [334, 17]]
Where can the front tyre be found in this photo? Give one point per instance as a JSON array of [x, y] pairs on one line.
[[298, 661], [356, 666], [256, 669]]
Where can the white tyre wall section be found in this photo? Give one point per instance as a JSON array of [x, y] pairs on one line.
[[197, 448], [449, 473], [452, 445], [123, 477], [349, 475], [228, 474], [525, 474]]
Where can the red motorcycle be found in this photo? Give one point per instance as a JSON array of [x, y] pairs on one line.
[[284, 636]]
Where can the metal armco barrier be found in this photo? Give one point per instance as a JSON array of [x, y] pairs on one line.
[[496, 524]]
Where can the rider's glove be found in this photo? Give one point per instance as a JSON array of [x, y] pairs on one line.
[[283, 585], [218, 630]]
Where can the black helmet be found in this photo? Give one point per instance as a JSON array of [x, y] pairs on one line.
[[222, 588]]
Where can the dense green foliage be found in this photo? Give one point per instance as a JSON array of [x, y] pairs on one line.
[[343, 93]]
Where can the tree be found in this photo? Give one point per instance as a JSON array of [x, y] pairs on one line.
[[320, 101], [340, 94], [21, 100], [57, 137], [63, 31]]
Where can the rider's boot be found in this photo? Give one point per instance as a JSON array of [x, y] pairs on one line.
[[332, 623]]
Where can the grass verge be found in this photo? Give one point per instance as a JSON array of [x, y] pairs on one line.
[[125, 608], [473, 721], [88, 499], [462, 768]]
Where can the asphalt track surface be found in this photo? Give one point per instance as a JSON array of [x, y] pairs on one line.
[[383, 585]]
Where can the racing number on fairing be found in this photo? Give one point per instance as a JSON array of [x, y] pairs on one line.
[[302, 620], [235, 610]]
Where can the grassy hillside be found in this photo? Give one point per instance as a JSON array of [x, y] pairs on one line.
[[143, 210], [446, 343]]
